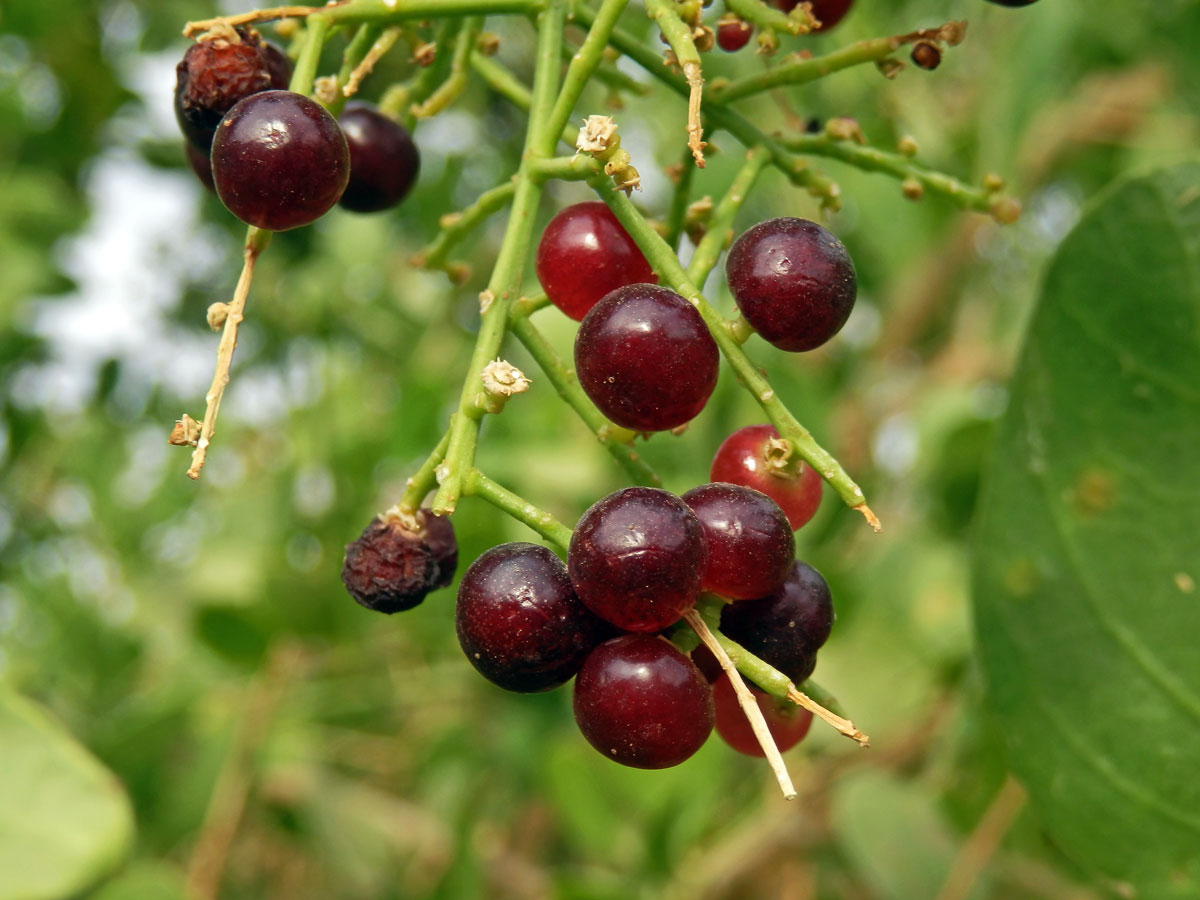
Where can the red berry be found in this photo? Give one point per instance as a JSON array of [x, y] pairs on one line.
[[733, 34], [749, 540], [519, 622], [645, 358], [214, 75], [642, 703], [793, 281], [787, 722], [383, 159], [584, 254], [827, 12], [787, 627], [636, 558], [745, 458], [279, 160]]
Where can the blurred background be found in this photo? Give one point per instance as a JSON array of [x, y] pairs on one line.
[[273, 739]]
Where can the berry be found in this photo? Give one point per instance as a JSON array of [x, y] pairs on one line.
[[708, 665], [787, 627], [636, 558], [519, 621], [438, 534], [278, 65], [793, 281], [926, 55], [279, 160], [1013, 3], [642, 703], [749, 458], [215, 74], [200, 164], [383, 159], [645, 358], [749, 540], [787, 722], [733, 34], [391, 567], [827, 12], [584, 254]]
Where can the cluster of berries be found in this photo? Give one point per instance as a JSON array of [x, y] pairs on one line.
[[278, 159]]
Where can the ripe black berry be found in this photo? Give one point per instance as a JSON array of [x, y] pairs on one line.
[[787, 627], [391, 567], [585, 253], [642, 703], [793, 281], [383, 159], [745, 457], [200, 164], [645, 358], [636, 558], [279, 160], [519, 622], [749, 540], [926, 55]]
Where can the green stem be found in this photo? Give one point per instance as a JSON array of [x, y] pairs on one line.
[[431, 77], [709, 249], [764, 16], [389, 13], [507, 85], [680, 198], [424, 479], [456, 81], [505, 283], [802, 71], [678, 33], [614, 78], [354, 54], [615, 439], [565, 168], [660, 256], [457, 226], [527, 306], [479, 485], [315, 32], [585, 61]]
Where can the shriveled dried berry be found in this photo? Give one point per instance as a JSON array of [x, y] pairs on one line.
[[389, 568], [215, 74]]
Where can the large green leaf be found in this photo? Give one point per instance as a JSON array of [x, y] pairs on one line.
[[1087, 554], [64, 819]]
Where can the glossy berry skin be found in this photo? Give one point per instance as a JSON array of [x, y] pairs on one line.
[[199, 163], [636, 558], [642, 703], [793, 281], [215, 74], [383, 159], [733, 34], [519, 622], [584, 254], [787, 722], [787, 627], [438, 534], [279, 160], [745, 458], [645, 358], [827, 12], [749, 540]]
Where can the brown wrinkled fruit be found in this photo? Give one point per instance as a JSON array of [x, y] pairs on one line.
[[442, 544], [390, 569]]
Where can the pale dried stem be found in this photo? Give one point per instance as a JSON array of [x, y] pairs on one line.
[[845, 726], [695, 82], [984, 841], [382, 45], [258, 15], [225, 350], [872, 519], [746, 700]]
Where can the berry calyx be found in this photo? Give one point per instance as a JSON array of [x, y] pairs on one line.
[[749, 540], [751, 457], [793, 281], [585, 253], [642, 703], [787, 722], [646, 359], [519, 622], [636, 558], [384, 161], [279, 160]]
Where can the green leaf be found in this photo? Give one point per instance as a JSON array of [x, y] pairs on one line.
[[1087, 554], [64, 820]]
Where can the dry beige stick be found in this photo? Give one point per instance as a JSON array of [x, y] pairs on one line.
[[872, 519], [746, 700], [258, 15], [984, 841], [691, 71], [845, 726], [381, 46], [233, 318]]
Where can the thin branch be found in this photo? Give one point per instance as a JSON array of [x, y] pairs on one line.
[[479, 485]]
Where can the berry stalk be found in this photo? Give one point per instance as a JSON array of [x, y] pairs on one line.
[[763, 15], [708, 251], [679, 37], [479, 485], [456, 226]]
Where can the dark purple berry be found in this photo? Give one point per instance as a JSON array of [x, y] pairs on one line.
[[793, 281], [827, 12], [636, 558], [645, 358], [438, 534], [749, 540], [279, 160], [926, 55], [200, 164], [787, 627], [213, 75], [642, 703], [585, 253], [278, 65], [733, 34], [383, 159], [519, 621]]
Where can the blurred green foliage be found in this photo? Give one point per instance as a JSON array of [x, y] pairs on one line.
[[277, 741]]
